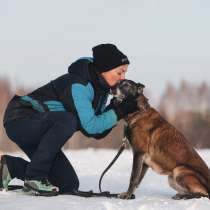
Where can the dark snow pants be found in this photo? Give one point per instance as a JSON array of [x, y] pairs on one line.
[[41, 137]]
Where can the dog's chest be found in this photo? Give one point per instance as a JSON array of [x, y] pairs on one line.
[[151, 163]]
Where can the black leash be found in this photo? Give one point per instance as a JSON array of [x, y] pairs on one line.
[[88, 194], [122, 147]]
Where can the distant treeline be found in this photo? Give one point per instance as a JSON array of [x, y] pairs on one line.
[[187, 107]]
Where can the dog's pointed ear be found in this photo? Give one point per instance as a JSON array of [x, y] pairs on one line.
[[140, 88]]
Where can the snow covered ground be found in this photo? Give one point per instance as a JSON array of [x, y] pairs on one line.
[[153, 193]]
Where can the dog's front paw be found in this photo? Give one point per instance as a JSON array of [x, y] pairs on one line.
[[126, 196]]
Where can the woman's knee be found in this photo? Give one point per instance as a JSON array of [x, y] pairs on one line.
[[11, 130]]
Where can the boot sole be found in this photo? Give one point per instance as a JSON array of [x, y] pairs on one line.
[[31, 191]]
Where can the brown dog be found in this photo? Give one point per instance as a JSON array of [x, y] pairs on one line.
[[159, 145]]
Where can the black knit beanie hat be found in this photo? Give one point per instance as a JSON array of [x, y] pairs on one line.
[[107, 57]]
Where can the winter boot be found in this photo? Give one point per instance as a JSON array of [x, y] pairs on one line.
[[5, 177], [40, 187]]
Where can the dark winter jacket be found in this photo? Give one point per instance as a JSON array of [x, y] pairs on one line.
[[82, 91]]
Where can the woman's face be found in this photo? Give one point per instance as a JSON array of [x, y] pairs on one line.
[[115, 75]]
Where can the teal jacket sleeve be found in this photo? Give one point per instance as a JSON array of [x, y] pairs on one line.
[[93, 124]]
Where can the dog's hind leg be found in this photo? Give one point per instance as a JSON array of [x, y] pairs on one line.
[[188, 184], [135, 175]]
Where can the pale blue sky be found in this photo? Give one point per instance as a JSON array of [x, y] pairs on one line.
[[165, 40]]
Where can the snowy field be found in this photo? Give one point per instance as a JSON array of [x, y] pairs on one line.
[[153, 193]]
